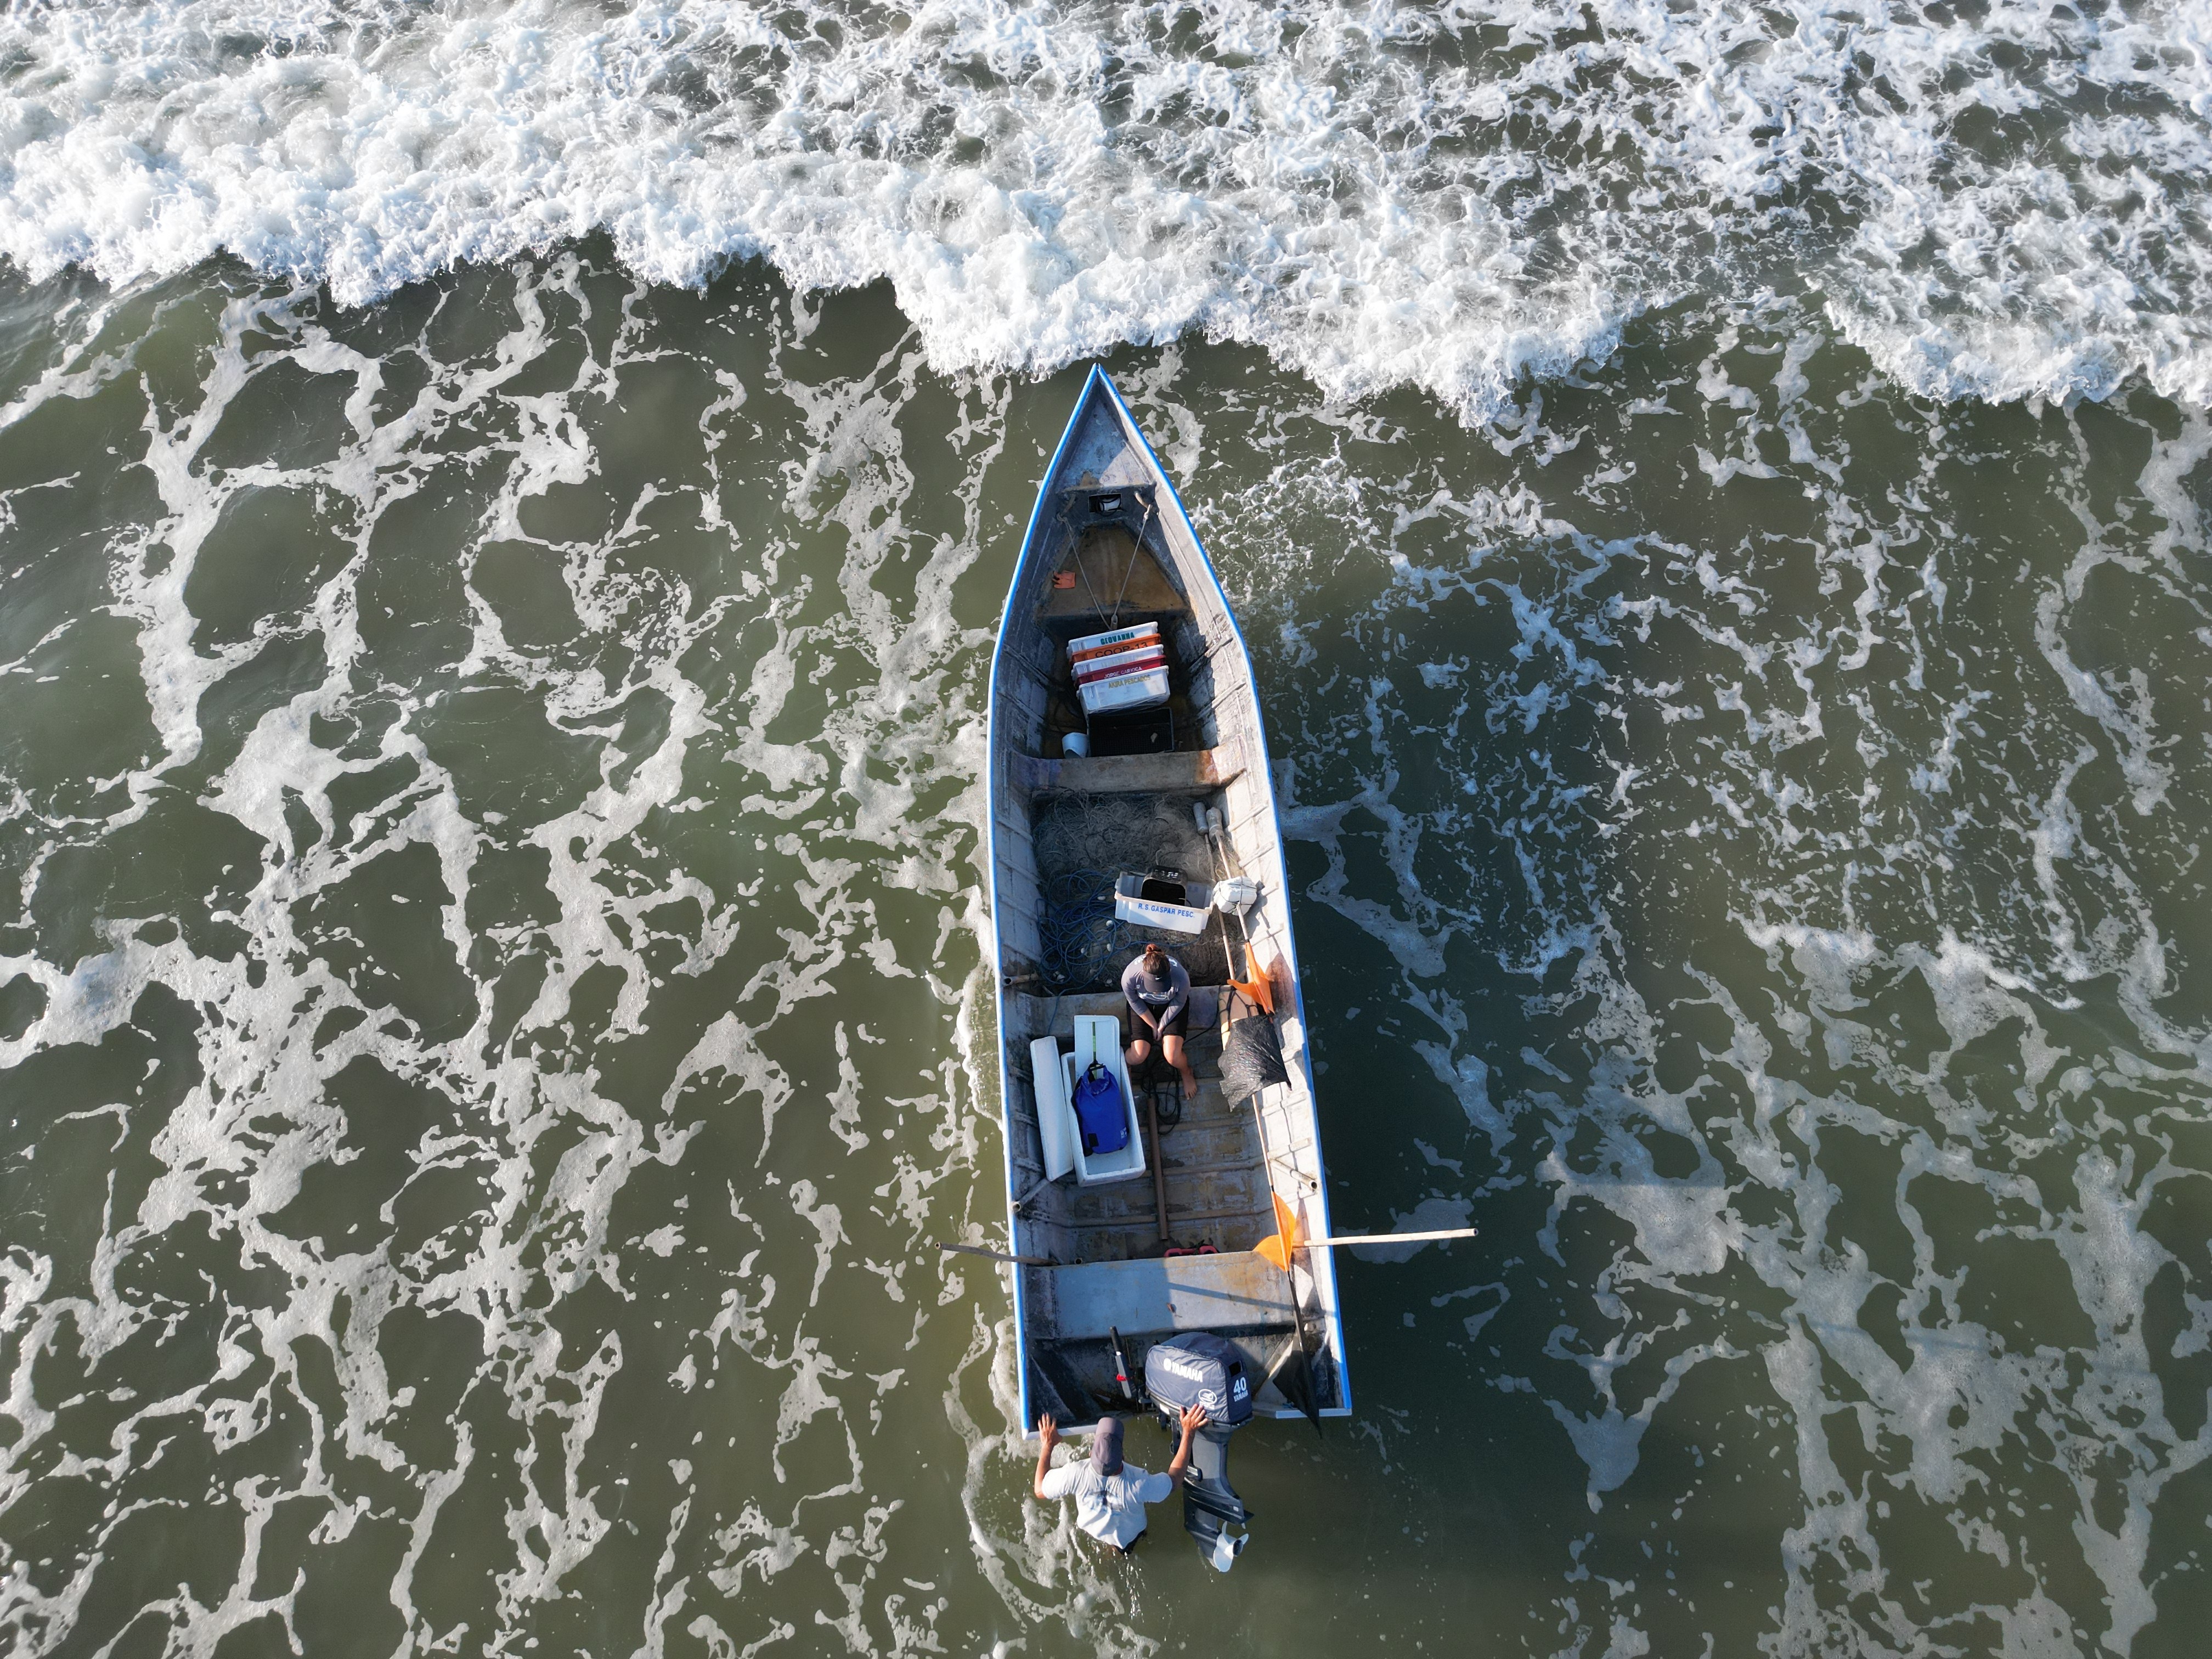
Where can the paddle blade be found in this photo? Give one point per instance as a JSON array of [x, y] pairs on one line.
[[1278, 1248], [1297, 1387], [1256, 987], [1286, 1221]]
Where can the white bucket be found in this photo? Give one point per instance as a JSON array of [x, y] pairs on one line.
[[1075, 745]]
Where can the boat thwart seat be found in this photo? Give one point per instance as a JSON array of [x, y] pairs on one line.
[[1179, 772], [1233, 1291]]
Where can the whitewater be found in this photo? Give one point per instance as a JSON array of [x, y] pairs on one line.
[[2004, 201]]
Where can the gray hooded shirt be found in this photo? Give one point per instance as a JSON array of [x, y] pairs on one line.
[[1161, 998]]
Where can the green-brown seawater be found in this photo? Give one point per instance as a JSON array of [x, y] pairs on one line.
[[492, 1013]]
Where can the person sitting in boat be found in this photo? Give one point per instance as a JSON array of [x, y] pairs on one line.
[[1109, 1494], [1157, 989]]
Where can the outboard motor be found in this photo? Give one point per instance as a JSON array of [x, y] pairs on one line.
[[1200, 1368]]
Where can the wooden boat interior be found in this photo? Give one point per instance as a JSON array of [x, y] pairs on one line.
[[1111, 532]]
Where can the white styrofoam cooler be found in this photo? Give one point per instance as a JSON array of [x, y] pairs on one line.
[[1097, 1037], [1130, 904], [1123, 668]]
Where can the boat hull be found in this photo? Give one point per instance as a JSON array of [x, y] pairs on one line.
[[1110, 526]]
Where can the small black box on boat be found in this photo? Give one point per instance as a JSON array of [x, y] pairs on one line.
[[1145, 732]]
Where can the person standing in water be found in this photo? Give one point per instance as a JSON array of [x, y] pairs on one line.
[[1111, 1495], [1157, 989]]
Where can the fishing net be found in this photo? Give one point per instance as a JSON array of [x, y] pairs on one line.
[[1120, 832], [1082, 842]]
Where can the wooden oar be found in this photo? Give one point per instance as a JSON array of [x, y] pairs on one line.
[[1159, 1164], [1279, 1246]]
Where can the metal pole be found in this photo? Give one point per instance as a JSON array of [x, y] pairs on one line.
[[1159, 1174], [1385, 1238], [1001, 1255]]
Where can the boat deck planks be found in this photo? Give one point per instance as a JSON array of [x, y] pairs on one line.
[[1104, 572]]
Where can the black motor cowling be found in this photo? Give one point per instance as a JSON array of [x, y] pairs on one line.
[[1202, 1369]]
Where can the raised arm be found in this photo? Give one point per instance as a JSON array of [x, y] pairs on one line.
[[1048, 1431], [1194, 1419]]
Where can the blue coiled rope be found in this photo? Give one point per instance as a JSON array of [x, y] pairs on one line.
[[1079, 932]]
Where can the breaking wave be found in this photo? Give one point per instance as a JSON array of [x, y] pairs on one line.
[[2004, 203]]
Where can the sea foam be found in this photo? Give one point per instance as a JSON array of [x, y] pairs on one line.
[[1456, 198]]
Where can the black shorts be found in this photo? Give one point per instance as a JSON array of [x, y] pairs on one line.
[[1135, 1031]]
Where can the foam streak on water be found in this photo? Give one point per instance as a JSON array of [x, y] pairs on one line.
[[374, 965], [2006, 201], [1886, 739]]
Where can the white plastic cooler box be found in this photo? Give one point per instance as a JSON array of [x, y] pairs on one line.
[[1123, 668]]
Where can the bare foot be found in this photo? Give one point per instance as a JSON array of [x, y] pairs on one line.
[[1189, 1086]]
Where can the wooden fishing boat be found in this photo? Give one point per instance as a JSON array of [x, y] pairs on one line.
[[1097, 813]]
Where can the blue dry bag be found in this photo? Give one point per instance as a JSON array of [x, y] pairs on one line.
[[1098, 1114]]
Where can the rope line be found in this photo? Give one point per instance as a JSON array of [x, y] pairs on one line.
[[1079, 930]]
